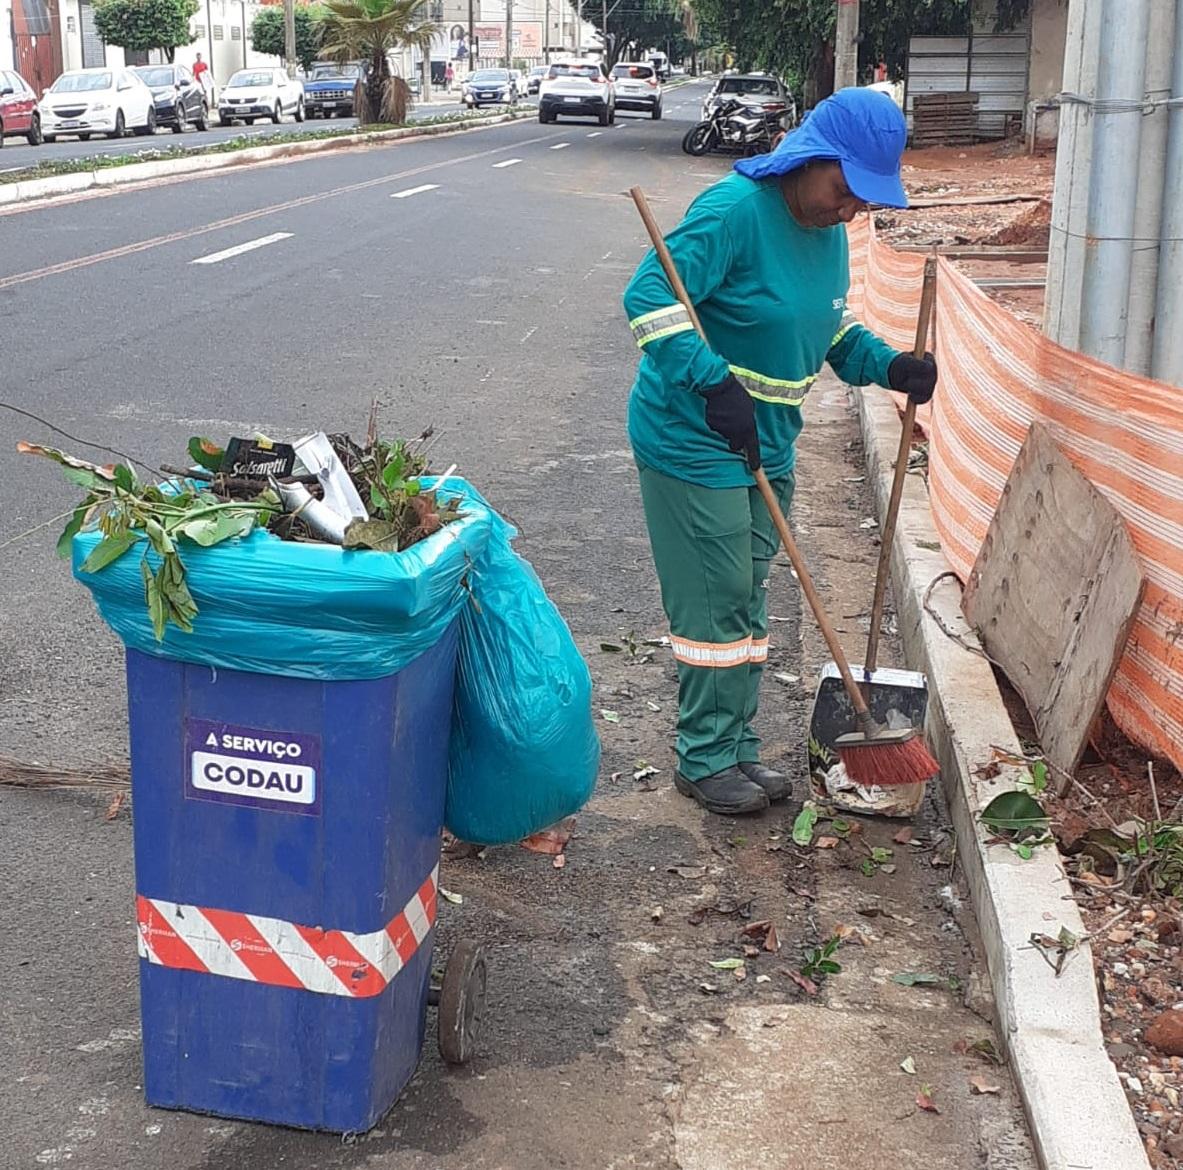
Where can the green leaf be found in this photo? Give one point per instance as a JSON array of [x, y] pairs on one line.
[[867, 868], [206, 454], [77, 471], [609, 716], [829, 967], [380, 535], [611, 648], [160, 540], [841, 828], [726, 964], [124, 478], [157, 610], [1038, 776], [803, 826], [66, 540], [412, 487], [880, 856], [1013, 814], [1023, 850], [109, 549], [213, 529]]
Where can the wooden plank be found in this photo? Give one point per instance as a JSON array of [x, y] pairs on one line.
[[1053, 594], [980, 252]]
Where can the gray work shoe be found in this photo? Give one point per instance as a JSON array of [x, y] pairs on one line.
[[775, 783], [727, 793]]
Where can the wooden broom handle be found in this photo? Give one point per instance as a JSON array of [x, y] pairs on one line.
[[887, 532], [770, 500]]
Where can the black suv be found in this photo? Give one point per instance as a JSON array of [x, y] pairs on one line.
[[177, 95]]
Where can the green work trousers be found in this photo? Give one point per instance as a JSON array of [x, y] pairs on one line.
[[712, 548]]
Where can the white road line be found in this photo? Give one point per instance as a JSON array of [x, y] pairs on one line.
[[250, 246], [528, 334], [560, 146], [415, 191], [509, 162], [595, 133]]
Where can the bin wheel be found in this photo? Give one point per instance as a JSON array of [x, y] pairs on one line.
[[462, 1002]]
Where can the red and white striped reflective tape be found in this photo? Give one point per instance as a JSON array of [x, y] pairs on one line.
[[284, 954]]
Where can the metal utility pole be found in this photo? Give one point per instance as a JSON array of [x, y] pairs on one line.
[[289, 35], [846, 45], [471, 47], [509, 34], [604, 34], [546, 35], [578, 38]]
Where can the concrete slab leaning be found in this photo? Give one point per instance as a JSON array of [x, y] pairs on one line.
[[1050, 1027]]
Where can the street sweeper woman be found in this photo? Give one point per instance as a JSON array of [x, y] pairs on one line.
[[763, 255]]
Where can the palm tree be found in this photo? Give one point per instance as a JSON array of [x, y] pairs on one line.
[[369, 30]]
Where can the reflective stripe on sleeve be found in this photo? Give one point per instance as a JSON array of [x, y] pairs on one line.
[[660, 323], [849, 321]]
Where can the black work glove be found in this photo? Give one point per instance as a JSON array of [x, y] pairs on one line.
[[915, 377], [732, 414]]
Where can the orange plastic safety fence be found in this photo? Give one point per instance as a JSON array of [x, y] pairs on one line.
[[1125, 433]]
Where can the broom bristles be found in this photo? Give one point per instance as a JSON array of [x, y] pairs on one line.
[[887, 765]]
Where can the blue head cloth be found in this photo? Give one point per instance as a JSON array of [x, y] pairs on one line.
[[862, 129]]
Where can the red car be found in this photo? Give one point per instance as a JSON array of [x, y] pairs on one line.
[[18, 108]]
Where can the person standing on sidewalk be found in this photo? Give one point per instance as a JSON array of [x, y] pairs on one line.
[[763, 254]]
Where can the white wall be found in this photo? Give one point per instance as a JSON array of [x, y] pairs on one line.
[[7, 52]]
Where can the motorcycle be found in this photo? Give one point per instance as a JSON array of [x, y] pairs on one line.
[[738, 126]]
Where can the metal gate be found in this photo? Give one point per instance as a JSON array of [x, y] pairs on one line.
[[36, 42], [94, 52], [992, 65]]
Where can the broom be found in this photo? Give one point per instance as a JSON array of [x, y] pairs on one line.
[[872, 755]]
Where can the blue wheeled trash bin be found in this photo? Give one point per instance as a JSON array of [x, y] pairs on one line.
[[287, 841]]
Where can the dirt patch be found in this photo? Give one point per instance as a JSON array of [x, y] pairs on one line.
[[1031, 227], [1128, 885]]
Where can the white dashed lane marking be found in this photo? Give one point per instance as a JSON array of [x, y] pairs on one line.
[[237, 250], [415, 191], [509, 162]]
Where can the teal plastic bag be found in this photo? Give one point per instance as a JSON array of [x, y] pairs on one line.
[[524, 751], [303, 610]]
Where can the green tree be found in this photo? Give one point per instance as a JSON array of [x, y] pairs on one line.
[[370, 30], [267, 32], [636, 25], [143, 25], [795, 38]]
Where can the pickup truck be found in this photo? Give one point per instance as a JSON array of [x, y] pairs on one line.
[[328, 89]]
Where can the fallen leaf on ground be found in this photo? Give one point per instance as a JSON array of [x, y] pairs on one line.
[[806, 985], [763, 978], [559, 861], [908, 1065], [708, 989], [448, 896], [803, 825], [553, 840], [610, 648], [1114, 936], [725, 964], [925, 1101], [645, 772], [917, 978], [740, 973], [772, 940], [903, 836], [751, 952], [757, 929], [827, 843], [982, 1086], [689, 871], [114, 807], [609, 716], [787, 679]]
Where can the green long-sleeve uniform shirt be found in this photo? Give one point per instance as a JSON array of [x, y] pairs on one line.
[[771, 296]]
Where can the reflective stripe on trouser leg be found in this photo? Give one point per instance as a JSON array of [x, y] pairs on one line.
[[702, 549], [765, 542]]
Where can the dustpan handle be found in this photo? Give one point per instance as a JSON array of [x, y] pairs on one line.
[[770, 500]]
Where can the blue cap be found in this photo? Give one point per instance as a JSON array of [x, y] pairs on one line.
[[862, 129]]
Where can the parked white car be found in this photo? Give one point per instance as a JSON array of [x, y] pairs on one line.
[[107, 101], [260, 93]]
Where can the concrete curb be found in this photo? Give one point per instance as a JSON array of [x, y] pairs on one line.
[[76, 181], [1051, 1026]]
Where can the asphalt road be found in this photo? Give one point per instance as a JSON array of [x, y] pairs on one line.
[[486, 303], [16, 154]]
